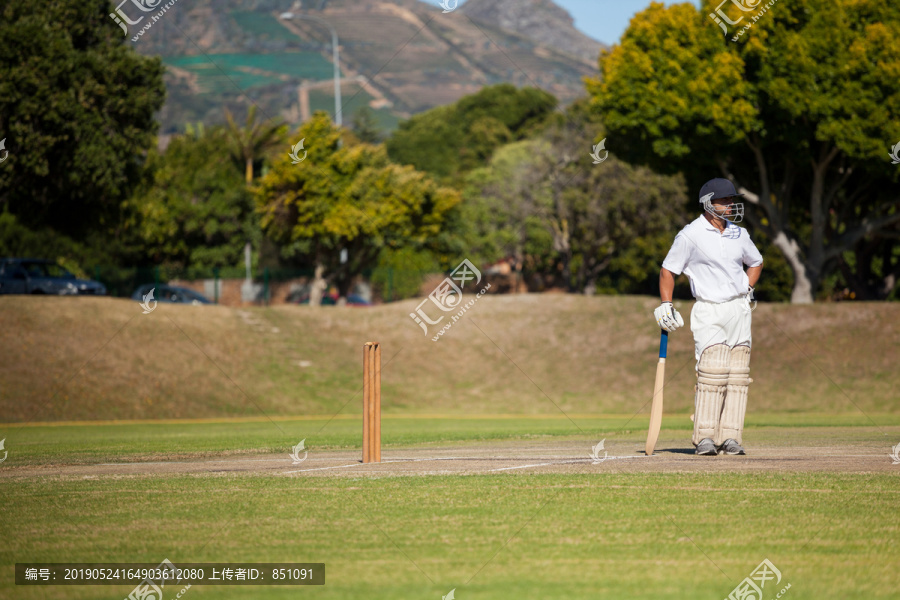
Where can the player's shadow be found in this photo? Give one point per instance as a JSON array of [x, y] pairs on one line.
[[675, 450]]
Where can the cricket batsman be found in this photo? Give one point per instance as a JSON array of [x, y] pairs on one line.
[[712, 251]]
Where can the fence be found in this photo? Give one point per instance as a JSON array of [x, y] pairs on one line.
[[230, 287]]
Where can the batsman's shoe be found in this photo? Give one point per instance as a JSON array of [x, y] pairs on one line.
[[706, 447], [732, 447]]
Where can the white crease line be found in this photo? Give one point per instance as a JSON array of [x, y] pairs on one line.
[[520, 467], [400, 460], [324, 468], [201, 462], [193, 462], [427, 459], [382, 462], [137, 464], [620, 457], [568, 462], [850, 456], [396, 460]]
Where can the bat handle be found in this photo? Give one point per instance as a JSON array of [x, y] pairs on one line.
[[663, 343]]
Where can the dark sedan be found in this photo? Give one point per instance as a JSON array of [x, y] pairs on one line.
[[36, 276], [170, 293]]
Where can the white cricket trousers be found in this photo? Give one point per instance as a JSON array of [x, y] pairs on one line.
[[720, 323]]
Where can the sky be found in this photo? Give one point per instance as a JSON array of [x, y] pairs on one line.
[[606, 20], [603, 20]]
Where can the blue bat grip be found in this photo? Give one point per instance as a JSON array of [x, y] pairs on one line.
[[663, 342]]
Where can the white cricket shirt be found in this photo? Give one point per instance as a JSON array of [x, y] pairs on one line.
[[714, 261]]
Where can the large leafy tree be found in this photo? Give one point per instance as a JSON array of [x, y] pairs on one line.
[[349, 198], [193, 210], [452, 139], [76, 110], [544, 203], [800, 112]]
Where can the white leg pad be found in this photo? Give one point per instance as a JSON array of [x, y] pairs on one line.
[[712, 380], [731, 425]]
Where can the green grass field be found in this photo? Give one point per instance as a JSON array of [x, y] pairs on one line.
[[262, 26], [608, 534], [490, 537], [352, 99], [221, 72], [105, 411]]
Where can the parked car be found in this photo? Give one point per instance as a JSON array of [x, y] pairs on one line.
[[36, 276], [329, 298], [170, 293]]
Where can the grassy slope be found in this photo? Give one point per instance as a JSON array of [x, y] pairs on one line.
[[100, 358]]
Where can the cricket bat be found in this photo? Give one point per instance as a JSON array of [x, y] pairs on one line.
[[657, 406]]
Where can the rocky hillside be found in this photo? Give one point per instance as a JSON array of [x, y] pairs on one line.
[[539, 20], [399, 57]]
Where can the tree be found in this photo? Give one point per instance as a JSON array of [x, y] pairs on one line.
[[348, 198], [544, 198], [16, 240], [193, 210], [872, 270], [798, 112], [76, 110], [459, 137], [365, 126], [251, 143]]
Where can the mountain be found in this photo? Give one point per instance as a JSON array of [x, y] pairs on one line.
[[398, 57], [541, 21]]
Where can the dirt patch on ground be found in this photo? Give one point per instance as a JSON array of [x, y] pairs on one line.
[[836, 450]]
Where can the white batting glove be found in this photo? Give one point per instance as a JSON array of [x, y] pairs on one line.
[[667, 317], [751, 301]]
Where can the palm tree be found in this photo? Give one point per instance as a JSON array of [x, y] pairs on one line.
[[250, 144]]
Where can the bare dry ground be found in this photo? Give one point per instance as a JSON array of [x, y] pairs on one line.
[[776, 450]]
